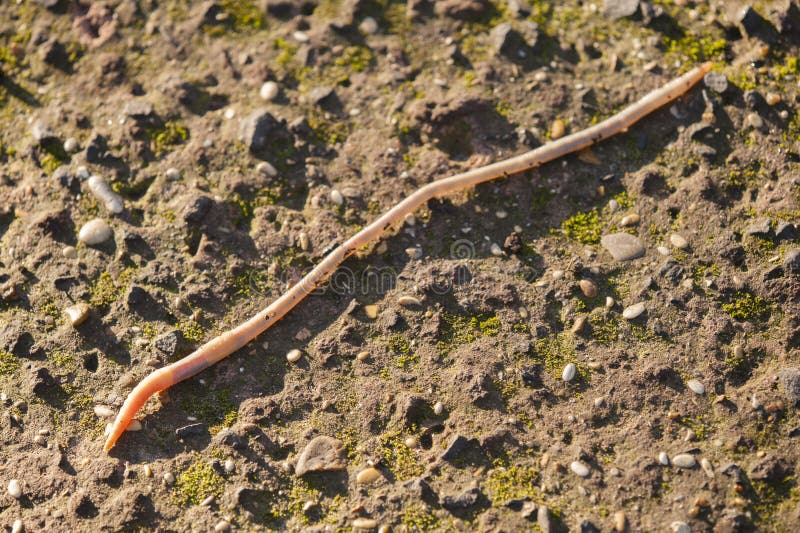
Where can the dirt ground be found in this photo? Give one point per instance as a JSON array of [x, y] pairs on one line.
[[434, 381]]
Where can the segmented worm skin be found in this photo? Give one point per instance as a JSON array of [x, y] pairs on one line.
[[230, 341]]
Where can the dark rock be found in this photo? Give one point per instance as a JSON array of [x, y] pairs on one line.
[[733, 521], [282, 9], [672, 271], [197, 209], [716, 81], [96, 149], [785, 230], [138, 109], [54, 53], [457, 445], [755, 25], [770, 469], [322, 96], [734, 472], [41, 381], [752, 98], [532, 376], [791, 262], [471, 10], [169, 343], [419, 489], [789, 378], [513, 243], [256, 129], [617, 9], [191, 430], [514, 41], [321, 455], [391, 320], [760, 228], [463, 500]]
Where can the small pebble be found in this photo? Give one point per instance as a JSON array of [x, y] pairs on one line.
[[300, 37], [755, 121], [77, 314], [294, 355], [678, 241], [716, 81], [135, 425], [222, 525], [365, 523], [230, 466], [17, 526], [169, 478], [588, 288], [773, 99], [172, 173], [95, 232], [304, 241], [633, 311], [696, 387], [558, 129], [411, 442], [680, 527], [148, 472], [368, 476], [268, 91], [609, 302], [663, 458], [630, 220], [438, 408], [69, 252], [495, 249], [705, 464], [103, 192], [208, 501], [14, 489], [579, 468], [368, 26], [362, 356], [569, 372], [620, 521], [371, 311], [103, 411], [267, 169], [684, 460], [71, 145], [409, 301], [336, 197]]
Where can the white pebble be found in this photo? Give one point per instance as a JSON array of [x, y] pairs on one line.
[[267, 169], [569, 372], [633, 311], [630, 220], [579, 468], [294, 355], [71, 145], [663, 250], [172, 173], [103, 192], [495, 249], [169, 478], [222, 525], [368, 26], [300, 37], [135, 425], [609, 302], [680, 527], [14, 489], [229, 465], [368, 476], [95, 232], [17, 526], [438, 408], [663, 458], [103, 411], [336, 197], [69, 252], [409, 301], [77, 314], [684, 460], [365, 523], [678, 241], [82, 172], [705, 464], [268, 91], [696, 386]]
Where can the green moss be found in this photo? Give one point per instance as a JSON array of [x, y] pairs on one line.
[[192, 331], [164, 138], [790, 67], [212, 407], [605, 329], [326, 130], [197, 482], [402, 348], [703, 48], [418, 517], [287, 51], [354, 58], [400, 459], [511, 483], [251, 281], [555, 352], [62, 359], [8, 363], [746, 306], [106, 289], [583, 227], [456, 330], [702, 425]]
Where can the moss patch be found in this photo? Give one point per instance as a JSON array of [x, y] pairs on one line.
[[400, 459], [746, 306], [583, 227], [511, 483], [8, 363], [166, 137], [106, 289], [456, 330], [198, 482]]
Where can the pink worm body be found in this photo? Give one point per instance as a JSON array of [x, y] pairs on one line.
[[220, 347]]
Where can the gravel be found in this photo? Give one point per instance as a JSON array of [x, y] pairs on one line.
[[95, 232]]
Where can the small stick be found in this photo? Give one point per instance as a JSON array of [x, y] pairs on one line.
[[220, 347]]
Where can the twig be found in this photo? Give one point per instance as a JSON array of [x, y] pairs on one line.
[[220, 347]]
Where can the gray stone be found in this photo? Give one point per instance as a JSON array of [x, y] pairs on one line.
[[716, 81], [321, 95], [789, 378], [463, 500], [138, 109], [191, 430], [617, 9], [543, 519], [256, 128], [321, 455], [168, 343], [791, 261], [785, 230], [760, 228], [457, 444], [623, 246]]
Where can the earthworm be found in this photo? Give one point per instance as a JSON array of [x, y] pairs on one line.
[[220, 347]]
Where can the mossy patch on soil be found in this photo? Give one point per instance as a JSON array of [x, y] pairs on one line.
[[198, 482], [746, 306]]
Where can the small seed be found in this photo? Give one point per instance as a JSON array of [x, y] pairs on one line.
[[684, 460], [411, 442], [103, 411], [579, 325], [95, 232], [365, 523], [371, 311], [207, 501], [609, 302], [620, 521], [663, 458], [267, 169], [569, 372], [368, 476], [438, 408], [77, 314], [14, 489], [705, 464], [230, 466], [17, 526], [633, 311], [336, 197], [630, 220], [305, 242], [558, 129], [148, 472], [362, 356], [221, 526], [69, 252], [169, 478], [409, 301], [579, 468], [696, 387], [101, 190], [773, 98], [268, 91], [294, 355]]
